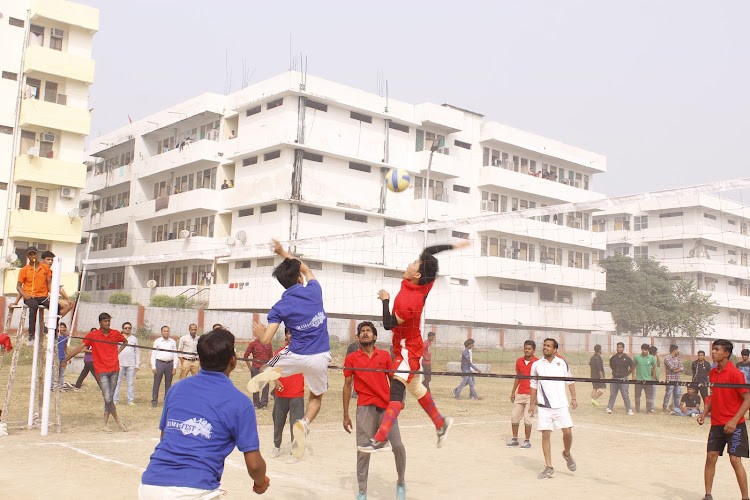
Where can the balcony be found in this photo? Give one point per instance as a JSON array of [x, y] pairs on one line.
[[439, 207], [106, 219], [537, 272], [192, 154], [49, 171], [717, 267], [114, 177], [68, 280], [445, 165], [65, 12], [45, 61], [664, 232], [545, 231], [210, 200], [48, 115], [525, 183], [181, 246], [34, 226]]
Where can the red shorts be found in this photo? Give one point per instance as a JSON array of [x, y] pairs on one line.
[[407, 353]]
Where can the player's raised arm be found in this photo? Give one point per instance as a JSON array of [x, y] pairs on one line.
[[303, 268], [389, 320]]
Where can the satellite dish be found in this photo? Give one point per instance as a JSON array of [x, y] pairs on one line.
[[184, 233], [34, 151], [151, 283], [241, 236], [73, 212], [230, 241]]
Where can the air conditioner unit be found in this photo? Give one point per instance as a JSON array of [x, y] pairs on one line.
[[487, 206], [62, 99], [48, 138], [67, 193]]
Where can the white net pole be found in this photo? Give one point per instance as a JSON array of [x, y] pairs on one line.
[[34, 362], [51, 334]]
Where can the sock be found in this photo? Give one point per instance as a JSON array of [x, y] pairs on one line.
[[428, 405], [390, 416]]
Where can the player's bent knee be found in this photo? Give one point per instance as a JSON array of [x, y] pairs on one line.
[[397, 390], [417, 389]]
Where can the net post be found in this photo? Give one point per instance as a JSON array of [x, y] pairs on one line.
[[50, 349]]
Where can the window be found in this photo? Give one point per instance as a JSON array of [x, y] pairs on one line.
[[640, 252], [24, 198], [268, 208], [275, 104], [732, 222], [242, 264], [355, 217], [304, 209], [347, 268], [15, 22], [272, 155], [712, 248], [246, 162], [640, 222], [42, 200], [316, 105], [462, 144], [359, 116], [314, 265], [460, 189], [397, 126], [622, 223], [394, 223], [667, 246], [599, 225], [459, 234], [178, 276], [267, 262], [253, 111], [667, 215], [3, 186], [245, 212], [50, 91], [459, 281], [33, 88], [4, 129], [10, 76], [360, 167], [546, 294], [36, 35], [56, 39], [709, 216], [312, 157]]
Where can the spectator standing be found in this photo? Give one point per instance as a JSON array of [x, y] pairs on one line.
[[288, 399], [520, 396], [700, 369], [744, 364], [467, 366], [645, 370], [596, 363], [690, 404], [188, 347], [673, 369], [260, 354], [130, 362], [163, 364], [427, 360], [62, 353], [622, 366]]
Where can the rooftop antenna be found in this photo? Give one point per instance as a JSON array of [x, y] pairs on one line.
[[228, 74], [303, 71], [247, 75], [386, 96]]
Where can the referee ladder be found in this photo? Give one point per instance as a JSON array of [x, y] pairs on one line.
[[16, 354]]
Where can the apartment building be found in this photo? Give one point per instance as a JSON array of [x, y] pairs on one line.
[[701, 237], [46, 69], [181, 201]]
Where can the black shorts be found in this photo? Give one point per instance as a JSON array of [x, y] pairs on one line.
[[735, 443], [598, 385]]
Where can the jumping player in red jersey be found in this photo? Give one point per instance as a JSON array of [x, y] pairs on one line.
[[408, 346]]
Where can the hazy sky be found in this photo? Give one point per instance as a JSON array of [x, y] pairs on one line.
[[659, 87]]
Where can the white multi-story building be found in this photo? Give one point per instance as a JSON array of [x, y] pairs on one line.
[[699, 237], [181, 199], [46, 64]]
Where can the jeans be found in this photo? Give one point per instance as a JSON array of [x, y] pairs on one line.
[[688, 412], [676, 392], [260, 399], [619, 387], [88, 367], [469, 380], [650, 391], [163, 369], [107, 383], [34, 303], [294, 407], [128, 373]]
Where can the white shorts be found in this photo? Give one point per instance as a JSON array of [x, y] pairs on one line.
[[313, 366], [553, 418], [151, 492]]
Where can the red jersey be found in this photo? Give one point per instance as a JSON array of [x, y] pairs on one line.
[[408, 306], [725, 401], [104, 353], [294, 385], [260, 352], [373, 388], [524, 368], [427, 354]]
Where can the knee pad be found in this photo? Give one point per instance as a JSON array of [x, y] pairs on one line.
[[416, 388], [397, 390]]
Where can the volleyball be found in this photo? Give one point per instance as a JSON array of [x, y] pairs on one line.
[[397, 180]]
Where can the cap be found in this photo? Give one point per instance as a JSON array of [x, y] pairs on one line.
[[31, 250], [104, 316]]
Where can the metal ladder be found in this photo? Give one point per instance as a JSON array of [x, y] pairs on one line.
[[16, 354]]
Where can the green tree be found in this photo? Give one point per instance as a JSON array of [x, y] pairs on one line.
[[120, 298]]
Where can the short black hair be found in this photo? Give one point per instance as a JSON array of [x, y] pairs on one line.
[[468, 342], [47, 254], [673, 348], [287, 272], [62, 324], [597, 348], [531, 343], [554, 342], [216, 326], [215, 350], [702, 352], [745, 352], [428, 268], [367, 323], [645, 346], [431, 334], [653, 350], [621, 344], [104, 316], [126, 323], [724, 344]]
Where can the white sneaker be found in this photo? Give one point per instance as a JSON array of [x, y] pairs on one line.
[[258, 382], [442, 433], [276, 452], [291, 459], [301, 430], [609, 412], [630, 412]]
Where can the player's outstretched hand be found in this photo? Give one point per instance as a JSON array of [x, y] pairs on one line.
[[278, 249], [258, 328], [263, 487], [461, 244], [347, 424], [383, 295]]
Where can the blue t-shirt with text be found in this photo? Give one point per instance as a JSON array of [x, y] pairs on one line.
[[204, 418], [62, 342], [301, 310]]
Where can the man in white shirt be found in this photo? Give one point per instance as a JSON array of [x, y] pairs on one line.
[[130, 362], [552, 402], [188, 348], [163, 364]]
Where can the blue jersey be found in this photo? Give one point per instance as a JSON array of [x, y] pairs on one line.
[[62, 342], [204, 418], [301, 310]]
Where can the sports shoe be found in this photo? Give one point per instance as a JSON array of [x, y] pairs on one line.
[[594, 402], [609, 412], [375, 446], [276, 452], [708, 496], [455, 396], [258, 382], [570, 461], [400, 492], [131, 403], [525, 446], [291, 459], [442, 433], [673, 413], [630, 412], [513, 442], [546, 473], [301, 430]]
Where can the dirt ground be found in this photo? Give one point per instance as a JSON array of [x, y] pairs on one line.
[[643, 456]]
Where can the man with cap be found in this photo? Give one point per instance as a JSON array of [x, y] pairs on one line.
[[34, 280]]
